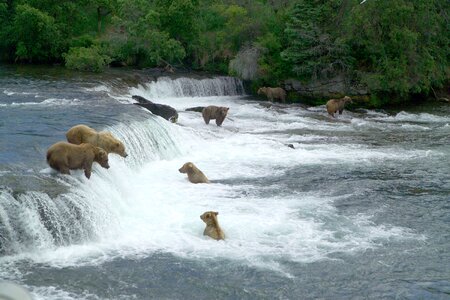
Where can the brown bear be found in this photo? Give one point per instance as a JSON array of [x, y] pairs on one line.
[[334, 105], [194, 174], [215, 112], [63, 157], [273, 93], [85, 134], [212, 229]]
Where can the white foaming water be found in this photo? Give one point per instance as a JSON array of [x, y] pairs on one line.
[[165, 87], [142, 204], [47, 102], [415, 118]]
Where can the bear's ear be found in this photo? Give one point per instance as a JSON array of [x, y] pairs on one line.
[[216, 213], [227, 108]]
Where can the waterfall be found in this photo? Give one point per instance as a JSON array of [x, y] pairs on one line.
[[34, 220], [166, 87]]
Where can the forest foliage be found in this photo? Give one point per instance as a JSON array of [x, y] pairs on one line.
[[397, 48]]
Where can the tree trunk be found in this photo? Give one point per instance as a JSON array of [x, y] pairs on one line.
[[99, 20]]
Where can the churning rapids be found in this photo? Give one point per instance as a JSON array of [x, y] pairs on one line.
[[359, 209]]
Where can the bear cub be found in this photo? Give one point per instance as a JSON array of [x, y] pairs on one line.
[[194, 174], [212, 229]]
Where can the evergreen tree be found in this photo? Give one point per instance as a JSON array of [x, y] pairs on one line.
[[313, 50]]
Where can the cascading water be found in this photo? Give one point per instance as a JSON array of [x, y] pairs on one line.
[[33, 220], [345, 201], [165, 87]]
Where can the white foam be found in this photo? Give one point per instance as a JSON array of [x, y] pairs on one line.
[[10, 93], [48, 101], [99, 88], [55, 293], [142, 204], [166, 87], [416, 118]]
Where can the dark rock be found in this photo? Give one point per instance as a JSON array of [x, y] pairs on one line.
[[167, 112], [197, 108], [336, 87]]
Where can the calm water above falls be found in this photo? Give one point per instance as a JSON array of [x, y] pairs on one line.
[[359, 209]]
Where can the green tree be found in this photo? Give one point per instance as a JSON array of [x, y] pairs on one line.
[[178, 18], [86, 59], [138, 37], [314, 49], [401, 46], [36, 36]]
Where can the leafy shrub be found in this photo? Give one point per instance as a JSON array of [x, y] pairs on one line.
[[36, 36], [86, 59], [84, 40]]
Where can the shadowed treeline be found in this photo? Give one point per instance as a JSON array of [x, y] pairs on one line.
[[395, 50]]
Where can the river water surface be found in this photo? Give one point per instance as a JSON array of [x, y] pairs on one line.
[[360, 209]]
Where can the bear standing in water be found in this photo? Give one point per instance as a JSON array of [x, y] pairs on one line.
[[273, 93], [194, 174], [105, 140], [63, 157], [215, 112], [335, 105], [212, 229]]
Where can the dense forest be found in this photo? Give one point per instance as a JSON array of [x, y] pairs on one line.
[[394, 49]]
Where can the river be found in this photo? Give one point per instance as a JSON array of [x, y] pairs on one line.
[[359, 209]]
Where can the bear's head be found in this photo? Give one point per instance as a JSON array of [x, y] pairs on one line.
[[119, 148], [262, 90], [347, 99], [223, 111], [187, 167], [101, 156], [209, 217], [173, 119]]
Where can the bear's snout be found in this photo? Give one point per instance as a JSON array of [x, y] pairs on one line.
[[125, 155]]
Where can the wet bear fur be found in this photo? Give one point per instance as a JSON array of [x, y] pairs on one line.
[[212, 229], [218, 113], [194, 174], [337, 105], [273, 93], [64, 156], [84, 134]]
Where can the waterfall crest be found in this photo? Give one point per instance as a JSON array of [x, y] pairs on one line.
[[165, 87]]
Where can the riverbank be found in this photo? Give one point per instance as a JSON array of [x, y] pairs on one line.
[[307, 94]]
